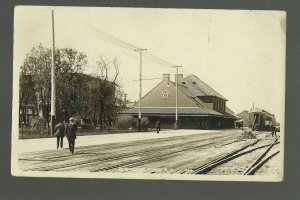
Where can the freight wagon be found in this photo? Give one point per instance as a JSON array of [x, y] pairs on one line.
[[261, 120]]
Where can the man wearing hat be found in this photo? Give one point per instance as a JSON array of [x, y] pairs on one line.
[[59, 132], [71, 134]]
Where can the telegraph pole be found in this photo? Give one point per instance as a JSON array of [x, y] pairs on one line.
[[176, 118], [53, 78], [140, 94]]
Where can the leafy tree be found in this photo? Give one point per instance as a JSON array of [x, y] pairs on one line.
[[35, 81], [36, 67], [69, 86], [27, 100], [79, 95]]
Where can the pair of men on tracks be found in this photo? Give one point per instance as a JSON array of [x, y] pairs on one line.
[[273, 129], [68, 129]]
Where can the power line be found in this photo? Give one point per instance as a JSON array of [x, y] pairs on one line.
[[147, 79], [111, 38], [112, 42], [158, 60], [122, 44]]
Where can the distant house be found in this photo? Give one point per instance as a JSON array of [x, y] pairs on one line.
[[199, 105], [244, 121]]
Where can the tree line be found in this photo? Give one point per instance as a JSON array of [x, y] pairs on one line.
[[92, 99]]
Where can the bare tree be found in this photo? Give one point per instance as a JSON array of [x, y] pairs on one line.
[[106, 87]]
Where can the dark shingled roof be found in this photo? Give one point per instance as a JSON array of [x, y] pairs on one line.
[[189, 103], [199, 88], [170, 111], [153, 97]]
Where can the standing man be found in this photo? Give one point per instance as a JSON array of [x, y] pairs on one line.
[[157, 126], [71, 134], [59, 132]]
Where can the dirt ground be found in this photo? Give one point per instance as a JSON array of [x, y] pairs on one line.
[[169, 152]]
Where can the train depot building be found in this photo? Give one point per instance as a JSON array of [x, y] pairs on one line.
[[199, 105]]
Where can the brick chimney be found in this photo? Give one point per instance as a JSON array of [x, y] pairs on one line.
[[180, 78], [166, 77]]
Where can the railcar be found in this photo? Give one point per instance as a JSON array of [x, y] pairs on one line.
[[261, 120]]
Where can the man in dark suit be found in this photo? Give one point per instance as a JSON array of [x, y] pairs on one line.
[[157, 126], [71, 134], [59, 132]]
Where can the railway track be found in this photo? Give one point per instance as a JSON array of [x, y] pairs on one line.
[[104, 147], [110, 153], [153, 162], [173, 155], [243, 151], [262, 159]]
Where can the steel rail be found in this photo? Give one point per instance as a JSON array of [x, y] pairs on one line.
[[136, 163], [253, 166], [174, 149], [110, 158], [230, 156], [142, 161], [46, 153], [46, 156], [207, 166], [215, 164], [261, 163]]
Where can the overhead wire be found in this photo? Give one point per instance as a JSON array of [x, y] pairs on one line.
[[122, 44], [106, 39], [95, 34], [156, 59], [147, 79], [112, 39]]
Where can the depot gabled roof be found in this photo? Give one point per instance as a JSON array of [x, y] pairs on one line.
[[154, 103], [200, 88], [189, 103]]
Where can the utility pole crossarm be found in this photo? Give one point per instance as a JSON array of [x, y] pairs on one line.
[[140, 50]]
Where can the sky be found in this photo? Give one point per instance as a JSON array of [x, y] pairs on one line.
[[239, 53]]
